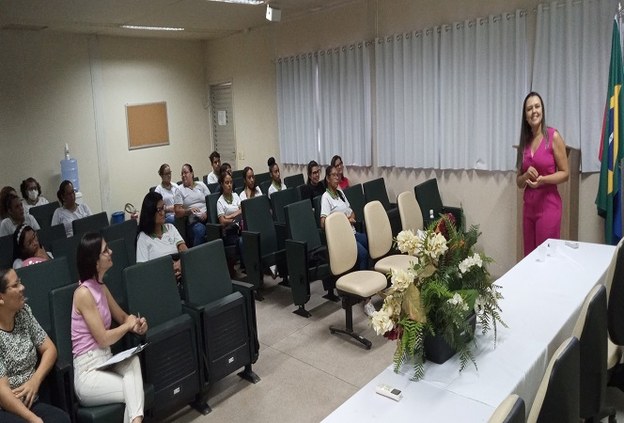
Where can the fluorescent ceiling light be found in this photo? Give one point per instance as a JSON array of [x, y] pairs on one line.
[[152, 28], [251, 2]]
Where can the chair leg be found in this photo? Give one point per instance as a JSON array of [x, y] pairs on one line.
[[347, 304], [249, 375], [301, 311]]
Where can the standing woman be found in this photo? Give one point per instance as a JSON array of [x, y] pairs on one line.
[[169, 191], [343, 181], [92, 311], [26, 356], [69, 210], [542, 164], [193, 204], [31, 194], [250, 190], [276, 179]]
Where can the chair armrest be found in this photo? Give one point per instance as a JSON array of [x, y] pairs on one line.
[[281, 233], [247, 290], [62, 380], [252, 257], [213, 231]]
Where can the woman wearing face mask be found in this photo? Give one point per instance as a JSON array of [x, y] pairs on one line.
[[276, 179], [251, 189], [15, 208], [26, 248], [31, 194]]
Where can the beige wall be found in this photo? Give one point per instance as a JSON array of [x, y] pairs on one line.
[[489, 198], [48, 85]]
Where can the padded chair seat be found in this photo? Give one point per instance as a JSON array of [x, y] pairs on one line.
[[396, 261], [614, 354], [363, 283]]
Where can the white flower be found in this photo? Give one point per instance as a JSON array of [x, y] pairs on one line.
[[401, 279], [409, 243], [436, 245], [457, 300], [479, 305], [381, 322], [468, 262]]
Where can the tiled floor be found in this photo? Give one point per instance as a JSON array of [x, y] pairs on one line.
[[305, 371]]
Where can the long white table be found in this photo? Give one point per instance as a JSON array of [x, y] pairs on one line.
[[542, 300]]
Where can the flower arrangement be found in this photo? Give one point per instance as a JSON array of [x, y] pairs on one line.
[[434, 297]]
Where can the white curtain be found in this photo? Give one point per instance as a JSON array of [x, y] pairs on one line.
[[296, 107], [448, 97], [571, 68], [324, 106], [407, 86], [345, 105]]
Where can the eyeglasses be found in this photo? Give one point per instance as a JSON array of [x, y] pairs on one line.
[[333, 175], [316, 172], [166, 174], [160, 209]]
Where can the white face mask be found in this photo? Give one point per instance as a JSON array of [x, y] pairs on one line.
[[33, 194]]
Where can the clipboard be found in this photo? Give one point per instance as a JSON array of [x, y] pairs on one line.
[[119, 357]]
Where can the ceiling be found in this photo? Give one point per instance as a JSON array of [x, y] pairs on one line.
[[201, 19]]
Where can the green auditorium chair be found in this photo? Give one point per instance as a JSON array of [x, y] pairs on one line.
[[224, 314]]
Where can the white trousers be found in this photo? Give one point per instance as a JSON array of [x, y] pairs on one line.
[[121, 382]]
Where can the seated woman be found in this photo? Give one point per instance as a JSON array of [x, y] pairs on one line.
[[343, 181], [4, 193], [92, 310], [23, 344], [31, 194], [229, 214], [157, 238], [314, 187], [16, 217], [193, 204], [169, 191], [69, 210], [26, 248], [250, 190], [335, 201], [276, 179]]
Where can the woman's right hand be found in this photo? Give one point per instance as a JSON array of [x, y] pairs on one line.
[[131, 322], [531, 173]]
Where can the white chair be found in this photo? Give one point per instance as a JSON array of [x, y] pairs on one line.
[[511, 410], [409, 211], [352, 287], [557, 398], [379, 236]]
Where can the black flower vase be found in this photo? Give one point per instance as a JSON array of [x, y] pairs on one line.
[[437, 350]]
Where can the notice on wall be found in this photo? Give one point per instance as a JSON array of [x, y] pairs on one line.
[[222, 117]]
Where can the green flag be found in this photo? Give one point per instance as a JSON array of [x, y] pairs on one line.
[[608, 199]]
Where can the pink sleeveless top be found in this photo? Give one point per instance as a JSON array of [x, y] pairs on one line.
[[82, 339]]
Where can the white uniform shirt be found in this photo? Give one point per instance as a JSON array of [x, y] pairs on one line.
[[340, 204], [170, 196], [7, 226], [66, 217], [212, 178], [243, 194], [224, 208], [151, 247], [40, 202], [273, 188]]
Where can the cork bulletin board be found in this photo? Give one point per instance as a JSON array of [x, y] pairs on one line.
[[147, 125]]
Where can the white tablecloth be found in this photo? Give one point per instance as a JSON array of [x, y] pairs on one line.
[[543, 295]]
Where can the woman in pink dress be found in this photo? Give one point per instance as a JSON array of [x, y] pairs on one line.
[[542, 164]]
